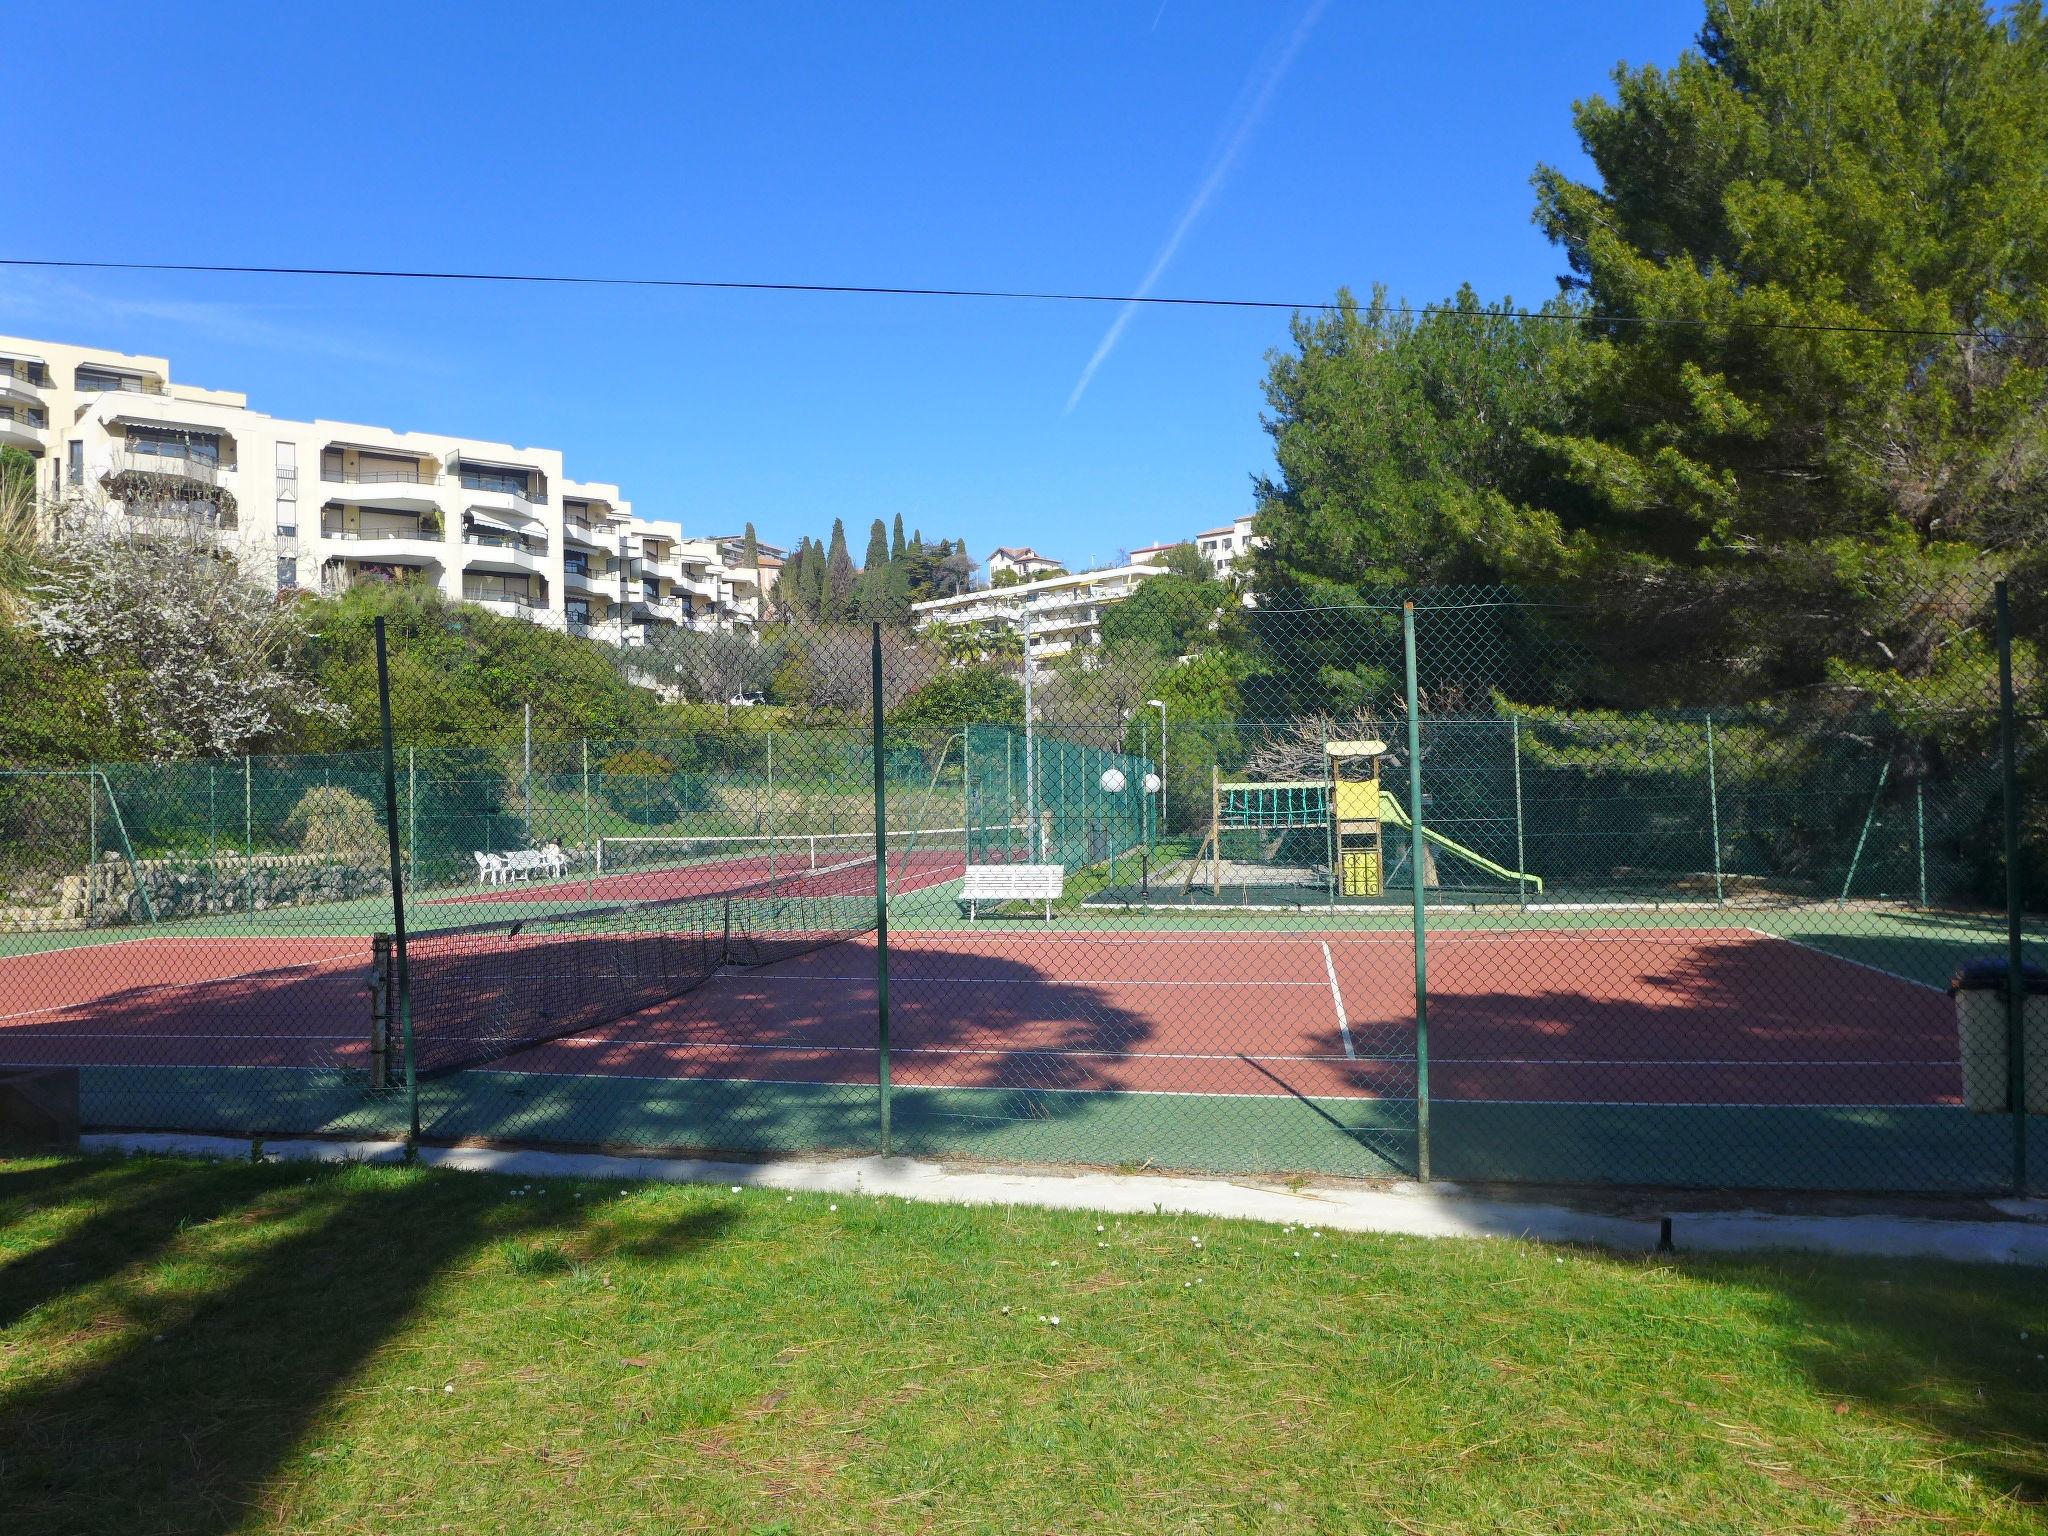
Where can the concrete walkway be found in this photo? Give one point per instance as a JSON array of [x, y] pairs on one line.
[[1439, 1210]]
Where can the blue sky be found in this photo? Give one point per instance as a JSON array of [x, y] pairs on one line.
[[1290, 147]]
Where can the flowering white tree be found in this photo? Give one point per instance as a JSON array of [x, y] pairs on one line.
[[196, 657]]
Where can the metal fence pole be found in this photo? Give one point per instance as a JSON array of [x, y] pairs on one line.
[[526, 775], [1032, 849], [1856, 858], [881, 889], [1415, 880], [1714, 813], [589, 850], [1920, 834], [2015, 989], [412, 818], [249, 838], [1521, 857], [412, 1085], [92, 836]]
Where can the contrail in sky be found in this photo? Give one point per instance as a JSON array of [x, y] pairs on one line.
[[1219, 172]]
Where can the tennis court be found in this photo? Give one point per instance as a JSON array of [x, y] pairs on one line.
[[1667, 1054]]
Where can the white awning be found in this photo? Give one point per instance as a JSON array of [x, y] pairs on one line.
[[486, 520], [21, 357]]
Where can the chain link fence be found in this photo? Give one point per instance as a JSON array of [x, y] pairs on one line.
[[1392, 884]]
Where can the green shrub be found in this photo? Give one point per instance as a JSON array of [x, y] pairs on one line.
[[336, 823]]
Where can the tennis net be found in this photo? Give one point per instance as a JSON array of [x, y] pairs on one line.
[[484, 991]]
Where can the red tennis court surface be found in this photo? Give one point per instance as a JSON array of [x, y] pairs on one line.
[[1669, 1016], [911, 870]]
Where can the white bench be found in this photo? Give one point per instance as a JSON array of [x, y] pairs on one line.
[[519, 864], [1012, 882]]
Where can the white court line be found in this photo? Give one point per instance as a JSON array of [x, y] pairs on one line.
[[1337, 997], [906, 978], [1828, 954]]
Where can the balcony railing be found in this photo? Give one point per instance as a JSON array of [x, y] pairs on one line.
[[509, 599], [381, 476], [100, 383], [200, 471], [524, 545], [24, 416], [415, 533]]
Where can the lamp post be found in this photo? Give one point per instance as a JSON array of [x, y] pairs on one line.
[[1160, 705]]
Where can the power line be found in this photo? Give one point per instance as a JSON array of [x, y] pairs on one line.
[[1029, 295]]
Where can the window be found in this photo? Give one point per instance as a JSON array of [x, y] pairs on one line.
[[288, 469], [168, 443], [579, 610], [287, 572], [287, 518], [74, 462], [576, 564]]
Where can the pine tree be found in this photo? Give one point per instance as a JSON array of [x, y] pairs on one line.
[[878, 547], [837, 601], [897, 548]]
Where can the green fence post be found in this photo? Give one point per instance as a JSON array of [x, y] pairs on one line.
[[412, 818], [1862, 837], [881, 888], [589, 852], [1521, 857], [1920, 834], [248, 840], [92, 836], [412, 1085], [212, 859], [1415, 845], [2015, 989], [128, 851], [1714, 812]]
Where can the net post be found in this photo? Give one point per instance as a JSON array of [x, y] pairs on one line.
[[2015, 981], [1714, 812], [1415, 881], [882, 884], [412, 1086]]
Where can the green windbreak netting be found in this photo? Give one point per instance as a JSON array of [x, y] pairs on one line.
[[1046, 799]]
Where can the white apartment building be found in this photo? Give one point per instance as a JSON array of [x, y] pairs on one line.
[[1021, 561], [1065, 612], [322, 504], [1221, 547]]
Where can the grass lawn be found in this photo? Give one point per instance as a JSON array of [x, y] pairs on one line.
[[213, 1347]]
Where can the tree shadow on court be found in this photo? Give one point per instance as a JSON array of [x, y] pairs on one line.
[[1730, 1059], [184, 1423], [1007, 1049], [1948, 1355]]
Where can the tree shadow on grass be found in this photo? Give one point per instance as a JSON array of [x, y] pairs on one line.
[[1944, 1349], [183, 1424]]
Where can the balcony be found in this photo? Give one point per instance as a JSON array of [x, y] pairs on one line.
[[503, 493], [416, 491], [591, 583], [511, 604], [592, 536], [18, 432], [116, 384], [419, 547], [161, 468], [504, 552], [16, 386]]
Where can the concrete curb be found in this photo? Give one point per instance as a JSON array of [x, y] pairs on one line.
[[1440, 1210]]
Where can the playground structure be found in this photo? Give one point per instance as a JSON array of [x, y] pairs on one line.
[[1346, 812]]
